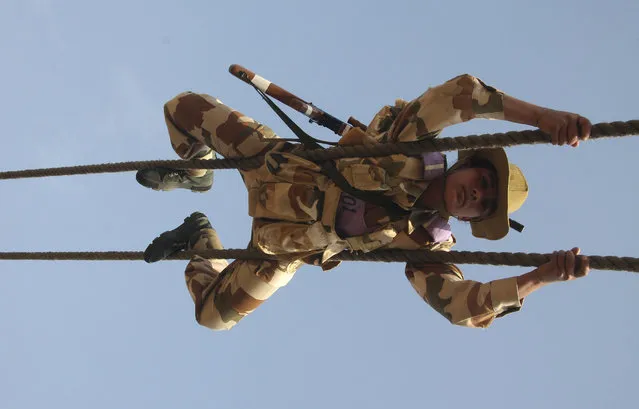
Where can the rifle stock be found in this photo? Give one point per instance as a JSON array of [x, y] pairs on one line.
[[273, 90]]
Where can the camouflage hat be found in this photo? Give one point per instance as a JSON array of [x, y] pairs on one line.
[[512, 191]]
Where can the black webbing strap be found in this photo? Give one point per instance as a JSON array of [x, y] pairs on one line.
[[328, 166]]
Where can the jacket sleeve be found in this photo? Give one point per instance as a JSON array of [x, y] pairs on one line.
[[457, 100], [463, 302]]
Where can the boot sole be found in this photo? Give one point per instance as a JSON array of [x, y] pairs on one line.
[[157, 187], [198, 189]]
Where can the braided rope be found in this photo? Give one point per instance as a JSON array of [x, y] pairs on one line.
[[245, 163], [412, 256], [527, 137], [504, 139]]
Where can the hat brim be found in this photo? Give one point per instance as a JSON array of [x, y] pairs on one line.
[[497, 225]]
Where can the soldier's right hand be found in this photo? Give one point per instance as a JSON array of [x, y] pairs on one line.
[[564, 266]]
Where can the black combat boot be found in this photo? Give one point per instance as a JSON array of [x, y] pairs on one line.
[[181, 238]]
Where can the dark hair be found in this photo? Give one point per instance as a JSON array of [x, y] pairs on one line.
[[476, 162], [473, 162]]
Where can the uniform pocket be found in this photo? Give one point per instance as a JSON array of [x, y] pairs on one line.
[[285, 201], [366, 177]]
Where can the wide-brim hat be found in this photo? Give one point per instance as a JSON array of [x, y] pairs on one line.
[[512, 191]]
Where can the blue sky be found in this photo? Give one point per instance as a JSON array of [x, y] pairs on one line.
[[84, 82]]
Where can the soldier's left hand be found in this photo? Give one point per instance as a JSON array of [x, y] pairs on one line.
[[564, 127]]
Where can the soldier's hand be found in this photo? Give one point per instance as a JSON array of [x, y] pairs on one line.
[[357, 136], [564, 127], [564, 266]]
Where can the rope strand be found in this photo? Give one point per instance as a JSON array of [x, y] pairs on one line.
[[412, 256], [527, 137]]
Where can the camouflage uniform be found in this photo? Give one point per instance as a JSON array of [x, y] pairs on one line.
[[294, 206]]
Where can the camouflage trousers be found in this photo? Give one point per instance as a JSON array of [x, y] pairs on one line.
[[224, 293]]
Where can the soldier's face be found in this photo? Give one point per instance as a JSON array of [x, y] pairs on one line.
[[471, 193]]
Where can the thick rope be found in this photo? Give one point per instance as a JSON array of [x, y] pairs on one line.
[[245, 163], [528, 137], [505, 139], [413, 256]]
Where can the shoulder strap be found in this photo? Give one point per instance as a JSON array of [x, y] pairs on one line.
[[329, 168]]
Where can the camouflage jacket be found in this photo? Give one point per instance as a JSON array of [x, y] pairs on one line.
[[304, 202]]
